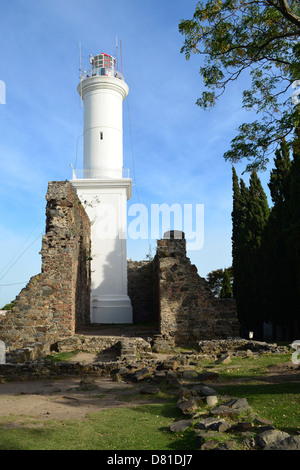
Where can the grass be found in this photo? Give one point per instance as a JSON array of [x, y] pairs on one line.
[[143, 427], [62, 356], [146, 426], [278, 402], [249, 367]]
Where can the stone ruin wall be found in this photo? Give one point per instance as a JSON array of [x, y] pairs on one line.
[[179, 299], [189, 312], [56, 301]]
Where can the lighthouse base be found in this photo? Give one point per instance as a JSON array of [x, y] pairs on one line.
[[111, 309], [105, 202]]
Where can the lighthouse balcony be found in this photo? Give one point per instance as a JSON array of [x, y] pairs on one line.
[[101, 173], [101, 72]]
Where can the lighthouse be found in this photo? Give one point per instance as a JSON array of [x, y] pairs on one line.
[[104, 187]]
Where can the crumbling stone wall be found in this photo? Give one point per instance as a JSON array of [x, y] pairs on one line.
[[57, 301], [188, 310]]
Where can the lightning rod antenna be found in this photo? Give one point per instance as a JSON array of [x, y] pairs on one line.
[[121, 57], [80, 73], [117, 54]]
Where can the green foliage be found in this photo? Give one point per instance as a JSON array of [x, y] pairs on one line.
[[258, 210], [9, 306], [282, 246], [278, 184], [220, 279], [266, 246], [226, 292], [249, 217], [259, 37]]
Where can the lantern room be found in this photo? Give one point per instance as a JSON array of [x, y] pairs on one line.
[[103, 64]]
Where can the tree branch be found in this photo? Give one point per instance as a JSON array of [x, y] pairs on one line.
[[285, 10]]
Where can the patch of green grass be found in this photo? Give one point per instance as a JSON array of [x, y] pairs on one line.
[[63, 356], [247, 367], [278, 402], [144, 427]]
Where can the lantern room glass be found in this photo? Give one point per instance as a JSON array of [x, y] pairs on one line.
[[104, 62]]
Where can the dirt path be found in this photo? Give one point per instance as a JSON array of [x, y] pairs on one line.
[[280, 373], [62, 399]]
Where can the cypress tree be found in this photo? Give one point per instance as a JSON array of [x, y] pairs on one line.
[[258, 216], [293, 238], [250, 214], [226, 292], [239, 239], [276, 264], [238, 215], [278, 184], [258, 210], [266, 247]]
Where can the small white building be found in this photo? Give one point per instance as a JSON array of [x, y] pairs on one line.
[[104, 188]]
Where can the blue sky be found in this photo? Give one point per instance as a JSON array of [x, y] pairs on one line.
[[173, 149]]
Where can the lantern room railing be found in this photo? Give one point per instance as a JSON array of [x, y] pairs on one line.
[[100, 173]]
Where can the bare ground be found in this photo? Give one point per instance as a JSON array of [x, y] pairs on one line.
[[68, 397], [62, 399]]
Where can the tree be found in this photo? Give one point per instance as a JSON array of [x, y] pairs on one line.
[[239, 236], [278, 184], [226, 292], [258, 210], [220, 279], [236, 215], [258, 36], [250, 215], [276, 263], [281, 246], [293, 234]]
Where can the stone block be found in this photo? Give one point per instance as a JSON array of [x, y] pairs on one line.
[[181, 425], [213, 424], [211, 400], [188, 406], [270, 438]]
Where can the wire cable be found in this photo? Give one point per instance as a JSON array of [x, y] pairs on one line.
[[24, 251], [134, 174], [28, 236], [13, 284]]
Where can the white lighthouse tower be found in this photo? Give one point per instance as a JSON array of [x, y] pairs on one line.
[[104, 187]]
